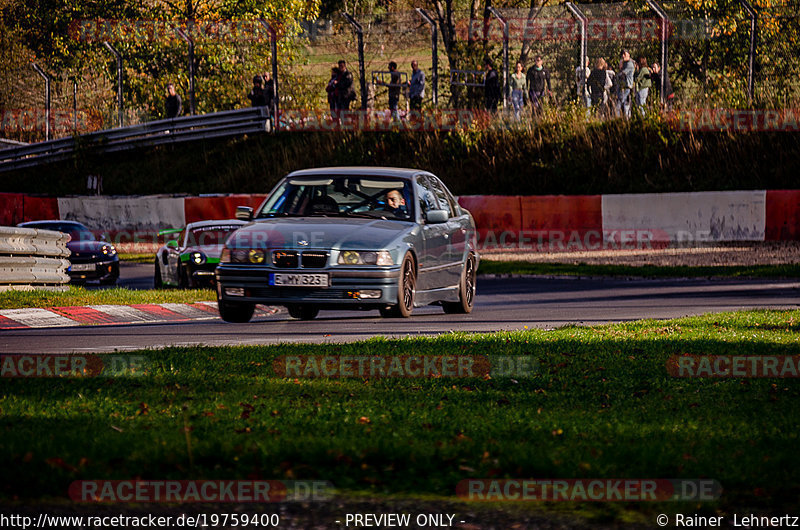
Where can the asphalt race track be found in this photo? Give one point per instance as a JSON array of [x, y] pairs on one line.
[[501, 304]]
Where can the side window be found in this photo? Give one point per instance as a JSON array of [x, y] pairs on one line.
[[427, 197], [446, 200]]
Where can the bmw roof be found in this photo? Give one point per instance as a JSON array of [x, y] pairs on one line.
[[375, 171], [219, 222]]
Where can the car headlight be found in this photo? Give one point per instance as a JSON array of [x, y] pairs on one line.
[[108, 250], [256, 255], [243, 255], [360, 257], [198, 258]]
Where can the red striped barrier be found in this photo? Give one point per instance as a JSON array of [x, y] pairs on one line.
[[497, 217], [783, 215], [561, 221], [38, 208], [11, 208], [220, 207]]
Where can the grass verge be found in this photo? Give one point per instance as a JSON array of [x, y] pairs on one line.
[[137, 258], [79, 296], [600, 404], [646, 271]]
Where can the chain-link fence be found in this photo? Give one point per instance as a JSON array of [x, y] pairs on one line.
[[709, 49]]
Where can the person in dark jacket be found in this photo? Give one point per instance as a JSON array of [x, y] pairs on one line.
[[269, 90], [655, 75], [172, 103], [597, 83], [491, 86], [344, 88], [538, 83], [331, 88], [257, 96]]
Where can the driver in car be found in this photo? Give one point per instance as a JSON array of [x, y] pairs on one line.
[[395, 203]]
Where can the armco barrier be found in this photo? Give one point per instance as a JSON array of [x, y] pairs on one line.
[[33, 259], [783, 215]]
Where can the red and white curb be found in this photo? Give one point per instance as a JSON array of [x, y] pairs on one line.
[[99, 315]]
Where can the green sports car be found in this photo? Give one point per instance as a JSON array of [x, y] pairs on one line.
[[190, 259]]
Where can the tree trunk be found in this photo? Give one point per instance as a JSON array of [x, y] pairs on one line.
[[533, 13]]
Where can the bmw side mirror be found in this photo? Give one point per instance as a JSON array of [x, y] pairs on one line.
[[437, 216], [244, 213], [172, 244]]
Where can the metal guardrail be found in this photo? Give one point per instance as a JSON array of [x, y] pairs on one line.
[[33, 259], [207, 126]]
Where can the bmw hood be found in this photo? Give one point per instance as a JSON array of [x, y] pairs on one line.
[[320, 233]]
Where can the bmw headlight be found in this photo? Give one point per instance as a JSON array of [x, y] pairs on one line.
[[108, 250], [198, 258], [360, 257], [256, 255]]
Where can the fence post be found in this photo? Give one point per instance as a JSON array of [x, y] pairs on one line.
[[434, 54], [46, 99], [361, 72], [190, 42], [751, 60], [273, 50], [112, 49], [506, 86], [74, 106], [655, 6], [578, 14]]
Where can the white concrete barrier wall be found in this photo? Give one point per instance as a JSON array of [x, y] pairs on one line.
[[689, 217], [148, 213]]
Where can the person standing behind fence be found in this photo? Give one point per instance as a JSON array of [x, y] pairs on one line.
[[269, 90], [517, 83], [626, 73], [611, 92], [330, 88], [491, 87], [597, 84], [538, 82], [643, 82], [582, 74], [256, 96], [394, 88], [172, 103], [655, 74], [416, 87], [344, 86]]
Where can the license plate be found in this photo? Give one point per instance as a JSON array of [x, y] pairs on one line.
[[281, 279], [82, 267]]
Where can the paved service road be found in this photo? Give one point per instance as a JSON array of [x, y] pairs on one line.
[[501, 304]]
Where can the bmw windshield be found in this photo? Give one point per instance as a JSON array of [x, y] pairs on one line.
[[341, 196]]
